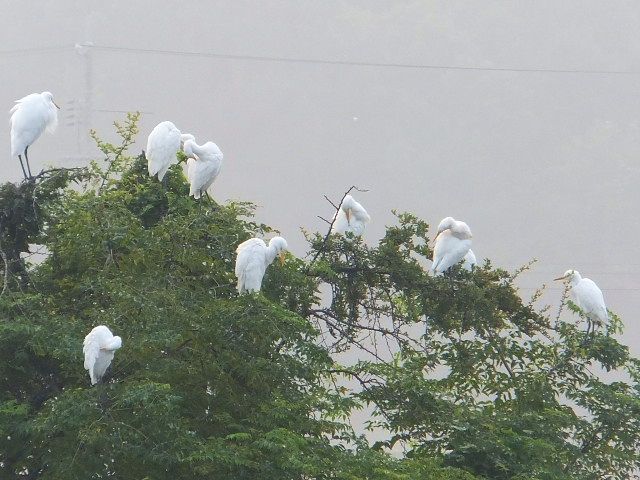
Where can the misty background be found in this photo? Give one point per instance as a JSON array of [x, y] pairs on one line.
[[521, 118]]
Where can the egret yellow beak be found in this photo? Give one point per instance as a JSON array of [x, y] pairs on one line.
[[559, 278], [282, 255], [348, 214], [433, 242], [55, 104]]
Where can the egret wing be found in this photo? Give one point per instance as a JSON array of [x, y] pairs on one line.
[[162, 145], [591, 300], [469, 260], [254, 247], [448, 251], [202, 174], [250, 264], [28, 120], [340, 223]]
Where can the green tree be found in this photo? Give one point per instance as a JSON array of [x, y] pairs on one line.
[[473, 382], [458, 367], [207, 385]]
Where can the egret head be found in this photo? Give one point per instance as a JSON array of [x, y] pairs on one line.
[[348, 203], [116, 343], [569, 275], [280, 246], [445, 224], [187, 147], [48, 96]]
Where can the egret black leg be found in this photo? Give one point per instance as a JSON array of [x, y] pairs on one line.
[[27, 158], [24, 172]]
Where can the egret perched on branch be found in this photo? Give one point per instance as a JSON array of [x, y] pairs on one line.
[[469, 261], [253, 259], [30, 116], [99, 349], [453, 241], [588, 297], [350, 217], [203, 166], [162, 145]]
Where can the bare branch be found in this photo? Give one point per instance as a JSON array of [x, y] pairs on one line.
[[329, 200]]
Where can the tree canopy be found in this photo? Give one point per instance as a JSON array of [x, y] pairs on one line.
[[472, 381]]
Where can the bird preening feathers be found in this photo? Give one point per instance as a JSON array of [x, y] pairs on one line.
[[203, 166], [204, 161], [350, 217], [99, 348], [452, 244]]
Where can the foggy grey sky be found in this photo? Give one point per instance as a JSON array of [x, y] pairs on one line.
[[539, 164]]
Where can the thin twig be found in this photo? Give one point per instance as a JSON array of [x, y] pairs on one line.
[[334, 205]]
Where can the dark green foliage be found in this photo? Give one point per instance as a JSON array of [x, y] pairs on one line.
[[458, 367], [473, 382]]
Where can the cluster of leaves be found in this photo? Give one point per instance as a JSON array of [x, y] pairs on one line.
[[470, 380]]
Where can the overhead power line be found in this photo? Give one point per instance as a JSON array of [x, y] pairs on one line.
[[27, 51], [415, 66], [316, 61]]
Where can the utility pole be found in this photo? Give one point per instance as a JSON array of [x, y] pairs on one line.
[[84, 104]]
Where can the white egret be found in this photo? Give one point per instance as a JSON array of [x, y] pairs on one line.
[[588, 297], [253, 259], [203, 166], [99, 349], [163, 143], [469, 261], [350, 217], [452, 243], [30, 116]]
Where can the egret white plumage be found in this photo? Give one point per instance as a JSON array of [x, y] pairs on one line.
[[469, 260], [163, 143], [588, 297], [452, 243], [203, 166], [350, 217], [30, 116], [254, 256], [99, 349]]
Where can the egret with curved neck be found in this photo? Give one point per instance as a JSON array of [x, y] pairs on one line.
[[350, 217], [254, 256], [452, 243], [203, 166]]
